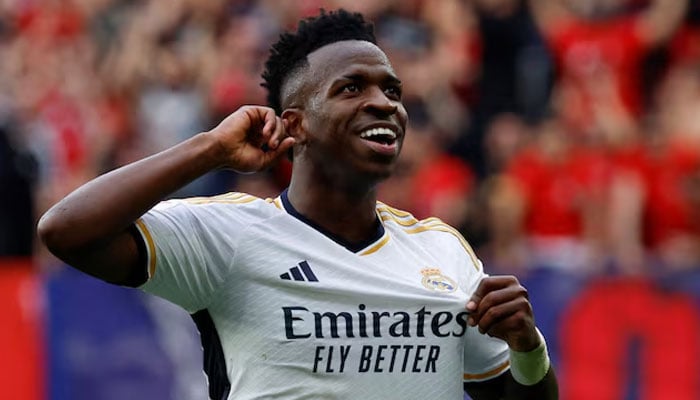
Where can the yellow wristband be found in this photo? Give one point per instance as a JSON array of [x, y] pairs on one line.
[[529, 367]]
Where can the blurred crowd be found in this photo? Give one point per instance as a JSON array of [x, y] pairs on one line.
[[561, 137], [562, 134]]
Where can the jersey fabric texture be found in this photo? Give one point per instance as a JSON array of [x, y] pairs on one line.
[[286, 310]]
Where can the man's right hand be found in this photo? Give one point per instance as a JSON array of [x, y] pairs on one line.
[[251, 139]]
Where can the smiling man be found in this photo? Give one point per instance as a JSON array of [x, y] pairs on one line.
[[322, 292]]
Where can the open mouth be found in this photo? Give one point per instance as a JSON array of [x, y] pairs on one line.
[[383, 136]]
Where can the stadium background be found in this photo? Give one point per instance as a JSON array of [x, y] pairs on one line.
[[564, 142]]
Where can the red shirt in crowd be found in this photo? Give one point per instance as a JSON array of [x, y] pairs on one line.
[[671, 179], [586, 53], [557, 191]]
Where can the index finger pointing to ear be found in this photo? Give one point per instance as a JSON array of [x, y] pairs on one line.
[[278, 135], [270, 121]]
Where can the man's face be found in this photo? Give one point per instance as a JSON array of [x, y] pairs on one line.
[[353, 117]]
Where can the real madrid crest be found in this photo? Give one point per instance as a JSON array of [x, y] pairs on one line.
[[433, 279]]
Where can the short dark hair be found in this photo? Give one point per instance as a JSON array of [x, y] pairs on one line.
[[291, 50]]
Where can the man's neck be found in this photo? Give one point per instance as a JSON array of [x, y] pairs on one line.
[[350, 215]]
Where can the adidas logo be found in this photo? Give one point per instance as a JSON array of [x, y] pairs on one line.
[[299, 272]]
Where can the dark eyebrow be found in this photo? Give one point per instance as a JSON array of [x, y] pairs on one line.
[[391, 79], [353, 77]]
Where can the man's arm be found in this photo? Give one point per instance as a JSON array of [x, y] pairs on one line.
[[91, 229], [500, 308], [505, 387], [659, 21], [547, 14]]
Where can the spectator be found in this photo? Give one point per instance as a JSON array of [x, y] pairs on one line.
[[544, 215], [601, 40], [658, 211], [505, 138], [513, 73], [429, 181], [554, 189]]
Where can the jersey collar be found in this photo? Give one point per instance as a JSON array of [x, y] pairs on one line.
[[354, 247]]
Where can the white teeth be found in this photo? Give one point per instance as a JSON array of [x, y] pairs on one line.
[[378, 132]]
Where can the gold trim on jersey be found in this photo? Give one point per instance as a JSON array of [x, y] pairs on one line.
[[232, 197], [376, 246], [488, 374], [411, 225], [277, 202], [151, 247]]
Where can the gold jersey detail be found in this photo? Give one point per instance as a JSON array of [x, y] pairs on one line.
[[488, 374], [411, 225], [151, 247], [376, 246], [233, 198]]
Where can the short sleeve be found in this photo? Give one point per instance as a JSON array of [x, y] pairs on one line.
[[484, 357], [188, 257]]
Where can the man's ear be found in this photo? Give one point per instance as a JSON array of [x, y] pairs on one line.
[[294, 117]]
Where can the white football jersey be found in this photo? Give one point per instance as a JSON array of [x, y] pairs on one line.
[[288, 311]]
